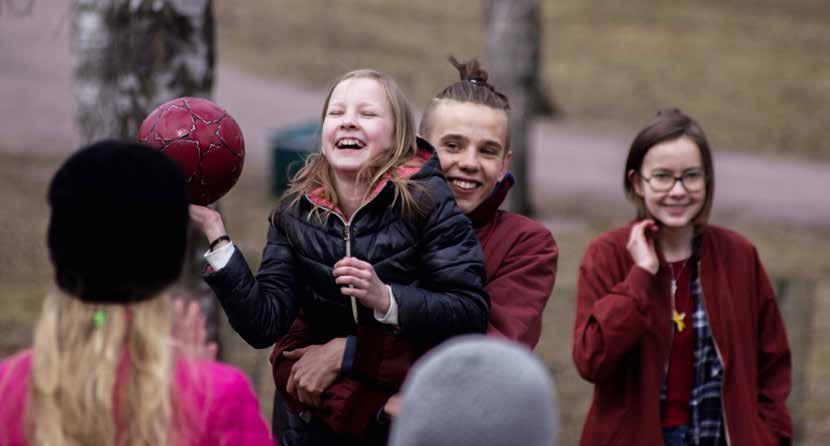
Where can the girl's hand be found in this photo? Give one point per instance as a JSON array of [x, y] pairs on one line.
[[209, 222], [190, 332], [641, 245], [365, 284]]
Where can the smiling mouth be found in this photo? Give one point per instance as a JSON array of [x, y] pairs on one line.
[[349, 144], [465, 185], [676, 209]]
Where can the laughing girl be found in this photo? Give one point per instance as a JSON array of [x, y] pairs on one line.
[[369, 244]]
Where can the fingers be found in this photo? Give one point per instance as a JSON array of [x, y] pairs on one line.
[[200, 214], [291, 385], [641, 245], [308, 396], [300, 386], [211, 351], [195, 324], [178, 317], [355, 276], [207, 220], [295, 354], [362, 273], [354, 281], [640, 229], [393, 405], [354, 263]]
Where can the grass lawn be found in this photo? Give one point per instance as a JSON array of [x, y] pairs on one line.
[[754, 73], [26, 271]]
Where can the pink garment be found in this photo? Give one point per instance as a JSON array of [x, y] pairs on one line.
[[218, 404]]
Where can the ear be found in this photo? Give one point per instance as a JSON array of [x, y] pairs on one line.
[[635, 178], [505, 164]]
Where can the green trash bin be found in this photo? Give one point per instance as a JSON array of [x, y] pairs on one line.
[[289, 149]]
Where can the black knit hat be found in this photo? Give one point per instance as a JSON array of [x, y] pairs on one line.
[[118, 224]]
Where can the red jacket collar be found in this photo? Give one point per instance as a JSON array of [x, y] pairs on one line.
[[485, 211], [405, 170]]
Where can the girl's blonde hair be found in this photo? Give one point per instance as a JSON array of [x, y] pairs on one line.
[[107, 383], [316, 173]]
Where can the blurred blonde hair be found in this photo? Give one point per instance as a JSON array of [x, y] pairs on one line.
[[316, 173], [110, 384]]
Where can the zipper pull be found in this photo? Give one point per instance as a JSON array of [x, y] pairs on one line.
[[347, 238]]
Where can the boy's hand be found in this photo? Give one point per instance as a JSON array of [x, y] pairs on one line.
[[316, 369]]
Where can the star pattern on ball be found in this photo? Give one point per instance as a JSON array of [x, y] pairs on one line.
[[204, 139]]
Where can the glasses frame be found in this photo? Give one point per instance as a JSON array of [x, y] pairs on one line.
[[675, 179]]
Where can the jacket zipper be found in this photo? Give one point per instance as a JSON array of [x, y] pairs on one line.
[[347, 241], [720, 358]]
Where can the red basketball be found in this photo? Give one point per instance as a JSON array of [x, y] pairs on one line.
[[204, 139]]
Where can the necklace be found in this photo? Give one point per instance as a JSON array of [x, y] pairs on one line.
[[678, 318], [674, 278]]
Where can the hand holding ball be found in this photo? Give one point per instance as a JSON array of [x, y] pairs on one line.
[[204, 139]]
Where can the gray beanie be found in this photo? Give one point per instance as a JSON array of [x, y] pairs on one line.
[[477, 391]]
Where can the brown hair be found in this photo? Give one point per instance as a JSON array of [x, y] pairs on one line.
[[472, 87], [669, 124], [316, 173]]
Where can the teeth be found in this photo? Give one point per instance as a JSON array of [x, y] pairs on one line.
[[467, 185], [349, 142]]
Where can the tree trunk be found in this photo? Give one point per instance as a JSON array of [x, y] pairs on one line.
[[129, 56], [513, 33]]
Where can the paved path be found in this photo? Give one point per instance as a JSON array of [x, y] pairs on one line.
[[573, 162]]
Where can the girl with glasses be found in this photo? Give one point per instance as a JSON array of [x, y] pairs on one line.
[[677, 324]]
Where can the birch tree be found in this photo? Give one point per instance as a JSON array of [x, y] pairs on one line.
[[513, 42], [129, 56]]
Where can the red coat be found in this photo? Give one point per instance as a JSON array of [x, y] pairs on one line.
[[520, 258], [622, 339]]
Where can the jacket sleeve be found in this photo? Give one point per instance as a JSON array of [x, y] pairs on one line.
[[449, 299], [259, 308], [611, 314], [521, 287], [774, 363]]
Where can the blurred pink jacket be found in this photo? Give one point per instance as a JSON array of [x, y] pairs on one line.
[[221, 407]]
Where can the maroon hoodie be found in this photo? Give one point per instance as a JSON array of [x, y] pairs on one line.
[[520, 258]]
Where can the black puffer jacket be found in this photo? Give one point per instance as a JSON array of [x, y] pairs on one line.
[[433, 263]]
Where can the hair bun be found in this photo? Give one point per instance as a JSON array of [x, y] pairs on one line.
[[470, 70], [670, 111]]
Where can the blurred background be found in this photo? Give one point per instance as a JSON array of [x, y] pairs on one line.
[[755, 74]]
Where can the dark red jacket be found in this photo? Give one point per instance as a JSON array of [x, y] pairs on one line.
[[622, 339], [520, 257]]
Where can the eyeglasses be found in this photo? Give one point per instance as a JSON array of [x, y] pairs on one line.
[[663, 181]]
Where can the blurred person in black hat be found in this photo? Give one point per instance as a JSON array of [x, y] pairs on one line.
[[105, 368]]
